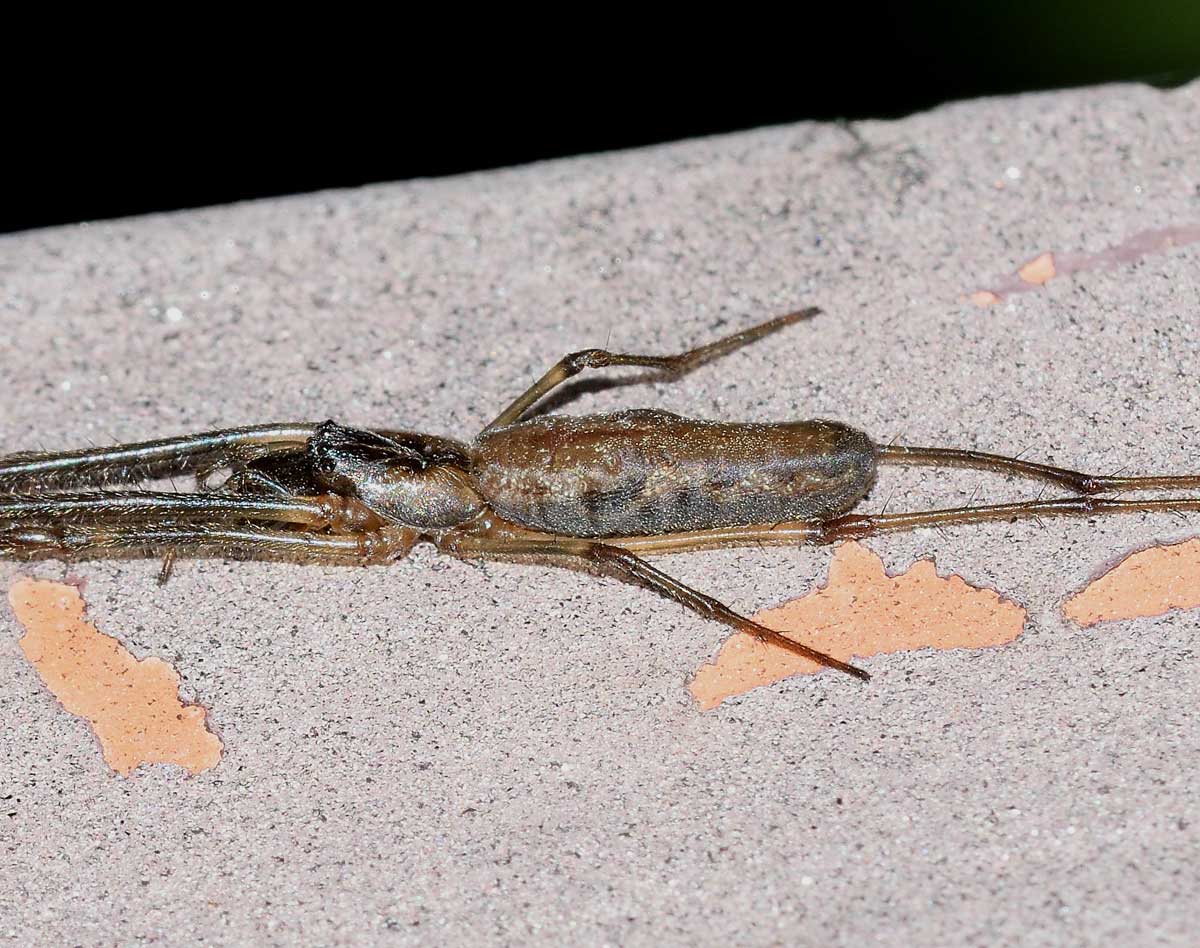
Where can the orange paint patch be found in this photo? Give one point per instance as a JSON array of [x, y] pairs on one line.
[[983, 298], [862, 611], [132, 705], [1148, 583], [1039, 270]]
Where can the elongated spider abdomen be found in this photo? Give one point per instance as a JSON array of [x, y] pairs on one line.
[[644, 471]]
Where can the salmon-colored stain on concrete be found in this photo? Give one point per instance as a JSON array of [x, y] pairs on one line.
[[1048, 265], [1039, 270], [1148, 583], [984, 298], [862, 611], [132, 705]]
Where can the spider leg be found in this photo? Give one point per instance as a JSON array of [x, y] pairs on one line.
[[853, 526], [571, 365], [91, 516], [590, 554], [787, 533], [114, 508], [128, 463], [235, 541], [1076, 481]]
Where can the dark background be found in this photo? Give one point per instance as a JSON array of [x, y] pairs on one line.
[[150, 126]]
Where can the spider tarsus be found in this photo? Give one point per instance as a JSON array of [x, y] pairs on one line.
[[774, 637]]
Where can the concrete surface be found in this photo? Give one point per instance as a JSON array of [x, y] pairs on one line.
[[440, 753]]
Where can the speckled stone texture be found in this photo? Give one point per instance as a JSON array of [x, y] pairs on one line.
[[440, 753]]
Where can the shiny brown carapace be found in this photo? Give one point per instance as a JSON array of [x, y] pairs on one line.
[[598, 492]]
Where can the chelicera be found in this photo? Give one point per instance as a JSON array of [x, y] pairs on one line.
[[597, 492]]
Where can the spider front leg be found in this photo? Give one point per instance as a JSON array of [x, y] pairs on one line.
[[117, 508], [593, 555], [148, 523], [235, 541], [129, 463]]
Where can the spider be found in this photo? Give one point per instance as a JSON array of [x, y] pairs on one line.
[[596, 492]]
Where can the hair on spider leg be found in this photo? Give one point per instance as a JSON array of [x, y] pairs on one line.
[[1179, 514], [888, 502]]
